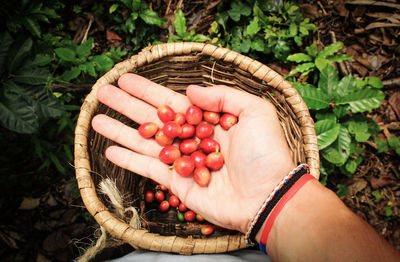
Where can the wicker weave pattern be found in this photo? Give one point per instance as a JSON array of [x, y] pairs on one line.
[[175, 66]]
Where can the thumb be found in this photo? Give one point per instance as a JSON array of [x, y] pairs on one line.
[[220, 98]]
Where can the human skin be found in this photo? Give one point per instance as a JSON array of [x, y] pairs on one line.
[[313, 226]]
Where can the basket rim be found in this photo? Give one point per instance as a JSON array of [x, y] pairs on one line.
[[142, 238]]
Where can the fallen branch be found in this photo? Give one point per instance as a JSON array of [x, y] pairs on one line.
[[372, 2], [392, 82]]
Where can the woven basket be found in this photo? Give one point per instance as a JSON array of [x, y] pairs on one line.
[[176, 65]]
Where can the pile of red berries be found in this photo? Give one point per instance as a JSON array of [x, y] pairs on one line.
[[166, 200], [187, 141]]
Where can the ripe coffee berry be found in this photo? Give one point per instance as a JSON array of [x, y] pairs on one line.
[[215, 161], [194, 115], [169, 154], [209, 145], [164, 206], [148, 129], [198, 158], [188, 131], [149, 196], [171, 129], [162, 139], [159, 196], [182, 207], [165, 113], [180, 118], [204, 130], [227, 121], [184, 166], [207, 230], [188, 146], [190, 216], [202, 176], [211, 117], [173, 201]]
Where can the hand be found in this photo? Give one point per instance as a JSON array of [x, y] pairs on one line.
[[256, 154]]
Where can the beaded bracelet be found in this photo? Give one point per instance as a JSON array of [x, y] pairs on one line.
[[274, 214], [272, 200]]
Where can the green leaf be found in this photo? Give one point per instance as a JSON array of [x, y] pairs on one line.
[[357, 127], [32, 76], [363, 100], [42, 60], [312, 50], [18, 54], [66, 54], [382, 145], [151, 18], [321, 63], [362, 136], [293, 28], [45, 103], [339, 58], [222, 18], [330, 49], [180, 23], [90, 69], [103, 62], [238, 8], [245, 46], [388, 211], [71, 74], [351, 166], [17, 113], [299, 57], [321, 115], [375, 82], [258, 44], [339, 151], [314, 97], [5, 44], [304, 68], [130, 24], [328, 81], [342, 190], [394, 142], [113, 8], [346, 86], [341, 111], [378, 196], [32, 26], [252, 28], [200, 38], [83, 50], [327, 132]]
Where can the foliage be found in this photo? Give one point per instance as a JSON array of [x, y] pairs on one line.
[[312, 57], [24, 99], [136, 19], [76, 60], [181, 31], [247, 28], [336, 104], [384, 146], [21, 16]]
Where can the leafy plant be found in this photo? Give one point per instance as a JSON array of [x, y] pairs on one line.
[[277, 30], [28, 15], [336, 104], [308, 61], [181, 31], [133, 17], [77, 60], [384, 146], [24, 99]]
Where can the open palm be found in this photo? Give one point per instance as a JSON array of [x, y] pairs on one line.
[[255, 151]]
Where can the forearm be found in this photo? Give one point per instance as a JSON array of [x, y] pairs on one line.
[[315, 225]]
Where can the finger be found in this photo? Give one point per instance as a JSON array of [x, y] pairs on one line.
[[152, 168], [125, 136], [153, 93], [136, 109], [222, 99]]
